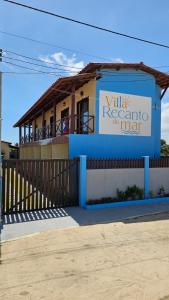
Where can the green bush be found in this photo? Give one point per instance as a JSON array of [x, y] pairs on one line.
[[131, 193]]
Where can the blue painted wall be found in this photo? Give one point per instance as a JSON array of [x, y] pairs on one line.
[[114, 146]]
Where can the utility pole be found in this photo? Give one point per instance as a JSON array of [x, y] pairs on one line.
[[0, 142]]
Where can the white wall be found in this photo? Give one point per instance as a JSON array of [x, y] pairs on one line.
[[159, 177], [105, 182]]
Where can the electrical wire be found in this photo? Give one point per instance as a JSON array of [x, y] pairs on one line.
[[43, 66], [38, 71], [104, 72], [22, 73], [87, 24], [62, 65], [40, 60], [57, 74], [52, 45]]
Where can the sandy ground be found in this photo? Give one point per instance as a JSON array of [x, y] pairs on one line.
[[107, 261]]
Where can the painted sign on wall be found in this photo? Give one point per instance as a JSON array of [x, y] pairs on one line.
[[124, 114]]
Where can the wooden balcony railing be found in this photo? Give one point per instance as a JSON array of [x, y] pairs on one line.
[[79, 124]]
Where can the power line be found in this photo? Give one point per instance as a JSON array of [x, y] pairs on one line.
[[52, 73], [43, 66], [22, 73], [109, 72], [39, 60], [88, 24], [99, 73], [51, 45], [38, 71], [62, 65], [47, 73], [44, 73], [30, 73], [66, 69]]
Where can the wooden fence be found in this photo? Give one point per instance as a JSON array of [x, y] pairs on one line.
[[162, 162], [39, 184], [115, 163]]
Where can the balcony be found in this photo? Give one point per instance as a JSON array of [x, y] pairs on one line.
[[78, 124]]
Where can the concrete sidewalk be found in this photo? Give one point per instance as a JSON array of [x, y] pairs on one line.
[[24, 224]]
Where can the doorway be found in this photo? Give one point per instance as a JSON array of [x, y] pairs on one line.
[[44, 129], [82, 116], [51, 125], [65, 121]]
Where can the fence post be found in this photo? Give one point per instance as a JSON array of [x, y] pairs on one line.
[[82, 181], [146, 177]]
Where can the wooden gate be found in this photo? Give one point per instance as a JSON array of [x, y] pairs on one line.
[[39, 184]]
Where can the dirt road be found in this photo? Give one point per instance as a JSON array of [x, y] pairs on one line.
[[101, 262]]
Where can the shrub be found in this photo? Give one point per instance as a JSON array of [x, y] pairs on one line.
[[131, 193]]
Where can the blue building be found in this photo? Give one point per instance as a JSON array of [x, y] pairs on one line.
[[108, 110]]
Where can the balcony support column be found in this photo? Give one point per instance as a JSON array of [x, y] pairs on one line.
[[34, 131], [72, 120], [20, 135], [24, 133], [43, 123], [54, 119], [29, 132]]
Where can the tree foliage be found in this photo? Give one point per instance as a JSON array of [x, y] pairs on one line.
[[164, 148]]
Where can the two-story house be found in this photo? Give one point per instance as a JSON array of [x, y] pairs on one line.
[[108, 110]]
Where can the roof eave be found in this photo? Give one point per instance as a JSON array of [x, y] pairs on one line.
[[84, 77]]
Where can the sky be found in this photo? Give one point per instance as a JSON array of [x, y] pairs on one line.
[[76, 45]]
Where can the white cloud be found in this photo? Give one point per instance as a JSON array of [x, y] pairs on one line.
[[165, 121], [69, 64], [118, 60]]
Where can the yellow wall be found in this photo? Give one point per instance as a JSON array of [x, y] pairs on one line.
[[60, 151], [38, 122], [32, 152], [51, 151], [89, 90], [46, 152], [54, 151]]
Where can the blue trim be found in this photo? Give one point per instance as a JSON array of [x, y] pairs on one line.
[[121, 146], [83, 181], [146, 177], [127, 203]]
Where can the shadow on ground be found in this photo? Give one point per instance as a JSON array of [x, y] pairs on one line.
[[127, 215], [34, 216], [159, 216]]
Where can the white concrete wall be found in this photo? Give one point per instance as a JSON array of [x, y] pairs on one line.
[[105, 182], [159, 177]]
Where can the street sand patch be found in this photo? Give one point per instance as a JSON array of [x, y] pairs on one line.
[[127, 260]]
